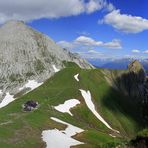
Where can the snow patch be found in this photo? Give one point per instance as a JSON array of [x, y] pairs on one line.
[[67, 106], [70, 130], [88, 100], [7, 99], [112, 136], [55, 69], [1, 92], [56, 138], [76, 77], [31, 84]]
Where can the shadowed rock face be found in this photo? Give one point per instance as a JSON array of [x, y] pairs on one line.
[[133, 81], [139, 142], [27, 54], [137, 69]]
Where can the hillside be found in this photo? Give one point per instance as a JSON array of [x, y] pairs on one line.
[[114, 119], [26, 54]]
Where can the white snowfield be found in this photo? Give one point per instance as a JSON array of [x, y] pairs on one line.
[[55, 69], [67, 106], [1, 92], [7, 99], [31, 84], [61, 139], [88, 100], [112, 136], [76, 77]]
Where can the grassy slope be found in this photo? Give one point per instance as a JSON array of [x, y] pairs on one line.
[[23, 129]]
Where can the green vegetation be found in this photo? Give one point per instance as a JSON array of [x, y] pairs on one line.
[[143, 133], [29, 74], [17, 77], [23, 129], [39, 66]]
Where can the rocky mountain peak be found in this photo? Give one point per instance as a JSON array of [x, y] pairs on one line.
[[137, 71], [132, 81], [14, 23], [26, 54], [135, 66]]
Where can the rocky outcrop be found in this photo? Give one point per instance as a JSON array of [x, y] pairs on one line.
[[131, 82], [137, 69], [27, 54]]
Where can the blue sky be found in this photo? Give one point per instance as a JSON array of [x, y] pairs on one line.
[[93, 28], [70, 28]]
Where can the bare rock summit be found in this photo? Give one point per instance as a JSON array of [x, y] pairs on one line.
[[26, 54]]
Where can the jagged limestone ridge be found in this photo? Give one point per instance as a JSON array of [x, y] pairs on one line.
[[28, 54]]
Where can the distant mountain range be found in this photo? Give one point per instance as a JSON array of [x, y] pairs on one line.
[[116, 63]]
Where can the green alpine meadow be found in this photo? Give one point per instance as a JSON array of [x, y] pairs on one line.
[[19, 128], [73, 74]]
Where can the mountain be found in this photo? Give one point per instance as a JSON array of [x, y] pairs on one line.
[[131, 82], [76, 107], [116, 63], [54, 99], [26, 54]]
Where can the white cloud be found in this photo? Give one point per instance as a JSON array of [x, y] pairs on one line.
[[146, 51], [86, 46], [82, 41], [94, 51], [126, 23], [135, 56], [27, 10], [110, 7], [91, 54], [114, 44], [87, 41], [65, 44], [94, 5], [136, 51]]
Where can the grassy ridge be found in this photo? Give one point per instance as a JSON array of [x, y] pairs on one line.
[[23, 129]]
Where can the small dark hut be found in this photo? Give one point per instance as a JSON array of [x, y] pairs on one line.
[[30, 105]]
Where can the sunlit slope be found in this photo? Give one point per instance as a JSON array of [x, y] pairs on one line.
[[24, 129]]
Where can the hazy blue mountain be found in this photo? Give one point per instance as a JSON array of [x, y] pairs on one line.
[[116, 63]]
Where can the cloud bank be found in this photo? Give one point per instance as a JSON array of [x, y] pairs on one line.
[[136, 51], [146, 51], [84, 41], [140, 51], [86, 46], [125, 23], [28, 10]]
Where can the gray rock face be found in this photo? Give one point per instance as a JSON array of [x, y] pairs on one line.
[[130, 82], [27, 54], [134, 80]]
